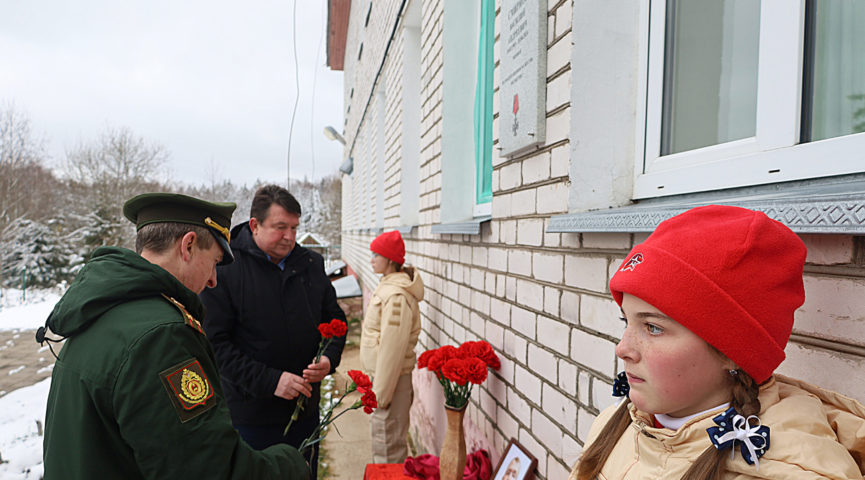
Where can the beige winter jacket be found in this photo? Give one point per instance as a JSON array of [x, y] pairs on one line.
[[814, 433], [390, 330]]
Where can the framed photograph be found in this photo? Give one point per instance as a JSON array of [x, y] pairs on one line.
[[516, 463]]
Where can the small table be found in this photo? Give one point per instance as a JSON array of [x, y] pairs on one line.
[[384, 471]]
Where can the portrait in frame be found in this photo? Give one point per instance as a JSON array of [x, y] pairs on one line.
[[516, 463]]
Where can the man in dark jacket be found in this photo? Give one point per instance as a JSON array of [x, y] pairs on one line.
[[263, 318], [135, 392]]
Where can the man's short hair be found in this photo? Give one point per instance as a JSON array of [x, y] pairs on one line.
[[268, 195], [159, 237]]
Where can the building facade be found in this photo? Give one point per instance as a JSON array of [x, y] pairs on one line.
[[632, 112]]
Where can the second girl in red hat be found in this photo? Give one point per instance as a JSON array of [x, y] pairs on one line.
[[390, 330]]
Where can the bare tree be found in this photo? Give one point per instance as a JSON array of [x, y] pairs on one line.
[[111, 170], [20, 157], [116, 166]]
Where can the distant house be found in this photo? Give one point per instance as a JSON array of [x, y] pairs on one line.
[[317, 244], [311, 240]]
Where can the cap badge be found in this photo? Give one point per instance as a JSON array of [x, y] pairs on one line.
[[219, 228], [632, 262]]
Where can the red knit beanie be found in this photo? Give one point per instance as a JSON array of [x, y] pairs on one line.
[[731, 275], [390, 246]]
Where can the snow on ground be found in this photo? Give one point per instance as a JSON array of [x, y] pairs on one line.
[[20, 434], [26, 310], [20, 410]]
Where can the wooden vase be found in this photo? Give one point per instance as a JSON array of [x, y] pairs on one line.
[[452, 462]]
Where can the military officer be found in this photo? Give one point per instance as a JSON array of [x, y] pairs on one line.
[[135, 392]]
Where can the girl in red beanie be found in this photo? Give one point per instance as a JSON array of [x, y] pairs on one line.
[[390, 330], [708, 302]]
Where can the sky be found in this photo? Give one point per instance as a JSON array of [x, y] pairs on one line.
[[211, 81]]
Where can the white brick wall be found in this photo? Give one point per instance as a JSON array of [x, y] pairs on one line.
[[560, 408], [589, 273], [834, 309], [530, 231], [593, 352], [554, 334]]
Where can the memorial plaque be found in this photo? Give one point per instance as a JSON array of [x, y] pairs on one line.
[[523, 89]]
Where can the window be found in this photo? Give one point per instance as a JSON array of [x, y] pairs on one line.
[[467, 92], [748, 92], [834, 92], [483, 112], [411, 116]]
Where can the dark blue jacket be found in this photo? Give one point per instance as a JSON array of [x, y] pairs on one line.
[[262, 321]]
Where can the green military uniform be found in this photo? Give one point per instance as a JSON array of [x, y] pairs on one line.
[[135, 393]]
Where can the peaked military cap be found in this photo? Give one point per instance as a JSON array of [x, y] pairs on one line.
[[150, 208]]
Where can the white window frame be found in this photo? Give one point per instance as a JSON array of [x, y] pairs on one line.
[[409, 212], [773, 154]]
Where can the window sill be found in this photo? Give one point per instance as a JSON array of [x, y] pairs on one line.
[[406, 230], [828, 206], [469, 227], [363, 231]]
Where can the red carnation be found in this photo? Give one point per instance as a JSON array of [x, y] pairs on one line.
[[441, 356], [360, 379], [424, 358], [338, 327], [476, 370], [369, 402], [325, 330], [456, 370], [485, 352], [467, 350]]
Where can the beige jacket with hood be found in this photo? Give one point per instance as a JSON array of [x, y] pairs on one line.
[[390, 330], [814, 434]]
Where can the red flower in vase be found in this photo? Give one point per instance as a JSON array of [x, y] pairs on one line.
[[476, 370], [457, 369], [424, 357]]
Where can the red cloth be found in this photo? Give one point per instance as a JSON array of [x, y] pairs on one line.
[[426, 467], [389, 245], [384, 471], [732, 276]]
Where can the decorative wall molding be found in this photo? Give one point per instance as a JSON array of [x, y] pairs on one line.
[[830, 214]]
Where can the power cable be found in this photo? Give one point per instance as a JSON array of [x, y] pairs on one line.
[[296, 91], [314, 82]]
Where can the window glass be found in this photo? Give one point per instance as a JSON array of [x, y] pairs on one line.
[[838, 69], [710, 73], [483, 111]]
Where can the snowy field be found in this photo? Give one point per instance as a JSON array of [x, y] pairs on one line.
[[31, 314], [22, 412]]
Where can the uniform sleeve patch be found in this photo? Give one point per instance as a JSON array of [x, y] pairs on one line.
[[188, 388]]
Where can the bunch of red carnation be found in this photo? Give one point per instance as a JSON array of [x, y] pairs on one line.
[[362, 384], [334, 328], [458, 369]]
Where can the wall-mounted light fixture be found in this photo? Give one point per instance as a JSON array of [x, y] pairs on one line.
[[332, 134]]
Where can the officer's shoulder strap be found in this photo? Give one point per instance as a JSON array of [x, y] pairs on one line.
[[187, 317]]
